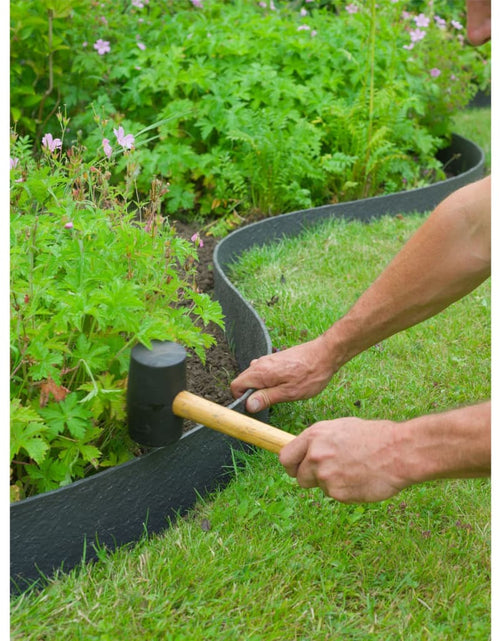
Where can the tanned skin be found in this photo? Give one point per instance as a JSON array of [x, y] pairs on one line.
[[356, 460]]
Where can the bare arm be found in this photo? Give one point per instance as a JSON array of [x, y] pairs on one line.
[[449, 256], [356, 460], [443, 261]]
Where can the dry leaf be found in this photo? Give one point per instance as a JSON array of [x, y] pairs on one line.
[[48, 387]]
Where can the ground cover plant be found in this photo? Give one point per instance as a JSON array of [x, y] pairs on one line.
[[264, 559], [269, 106], [90, 277]]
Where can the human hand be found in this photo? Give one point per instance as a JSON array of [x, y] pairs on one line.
[[296, 373], [478, 21], [352, 460]]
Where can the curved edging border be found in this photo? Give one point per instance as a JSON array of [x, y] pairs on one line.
[[62, 528]]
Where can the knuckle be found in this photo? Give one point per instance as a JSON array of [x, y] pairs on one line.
[[323, 476], [314, 429]]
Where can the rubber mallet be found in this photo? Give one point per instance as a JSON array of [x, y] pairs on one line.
[[157, 401]]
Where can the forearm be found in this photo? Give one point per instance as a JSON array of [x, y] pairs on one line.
[[453, 444], [443, 261]]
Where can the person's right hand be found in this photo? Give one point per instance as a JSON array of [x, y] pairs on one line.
[[296, 373]]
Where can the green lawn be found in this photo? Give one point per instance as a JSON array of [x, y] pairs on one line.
[[475, 124], [265, 560]]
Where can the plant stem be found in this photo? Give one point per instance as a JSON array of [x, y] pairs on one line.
[[371, 96], [50, 88]]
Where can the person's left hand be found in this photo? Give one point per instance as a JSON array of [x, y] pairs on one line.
[[351, 459]]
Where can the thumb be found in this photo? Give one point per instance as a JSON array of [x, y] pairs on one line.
[[260, 400]]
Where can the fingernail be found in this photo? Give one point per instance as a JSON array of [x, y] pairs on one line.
[[253, 404]]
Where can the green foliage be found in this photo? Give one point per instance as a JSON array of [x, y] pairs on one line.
[[261, 109], [91, 274], [40, 58]]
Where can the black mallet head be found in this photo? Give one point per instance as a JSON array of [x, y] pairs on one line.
[[155, 378]]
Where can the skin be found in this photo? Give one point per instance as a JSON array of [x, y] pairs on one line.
[[355, 460], [443, 261], [478, 21]]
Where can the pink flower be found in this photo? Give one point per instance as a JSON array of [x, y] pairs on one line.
[[352, 8], [196, 239], [441, 22], [303, 12], [69, 225], [141, 46], [107, 147], [197, 3], [303, 27], [102, 46], [125, 141], [456, 24], [422, 20], [138, 4], [435, 72], [51, 143], [409, 47], [417, 35], [14, 162]]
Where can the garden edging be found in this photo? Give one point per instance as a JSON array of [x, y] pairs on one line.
[[69, 525]]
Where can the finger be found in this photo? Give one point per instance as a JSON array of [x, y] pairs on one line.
[[293, 454], [237, 387], [262, 372], [264, 398], [248, 379], [258, 401], [306, 476]]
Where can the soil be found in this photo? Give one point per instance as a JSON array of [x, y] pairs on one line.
[[210, 380]]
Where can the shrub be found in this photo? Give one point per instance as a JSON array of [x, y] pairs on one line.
[[265, 107], [92, 273]]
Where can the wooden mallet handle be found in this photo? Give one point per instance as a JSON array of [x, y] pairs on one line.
[[223, 419]]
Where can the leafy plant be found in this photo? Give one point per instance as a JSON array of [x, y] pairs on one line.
[[40, 59], [92, 273], [264, 106]]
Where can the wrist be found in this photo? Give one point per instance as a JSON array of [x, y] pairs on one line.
[[341, 342], [453, 444]]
